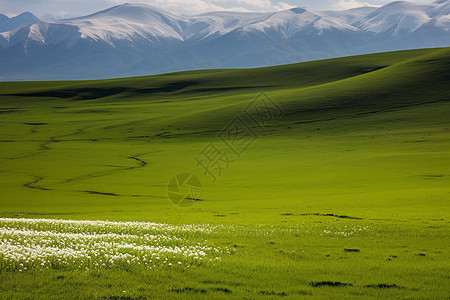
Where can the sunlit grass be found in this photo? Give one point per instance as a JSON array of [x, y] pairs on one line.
[[343, 196]]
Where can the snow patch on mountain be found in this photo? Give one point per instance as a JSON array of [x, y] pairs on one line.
[[397, 17], [129, 22], [295, 20], [220, 23]]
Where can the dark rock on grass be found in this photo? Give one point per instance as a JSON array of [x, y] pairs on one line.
[[224, 290], [272, 293], [101, 193], [124, 298], [189, 290], [433, 175], [35, 124], [384, 286], [329, 283], [351, 250], [194, 199], [332, 215]]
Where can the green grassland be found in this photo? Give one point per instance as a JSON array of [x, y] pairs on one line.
[[362, 142]]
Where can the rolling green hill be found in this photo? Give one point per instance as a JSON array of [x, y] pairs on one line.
[[356, 141]]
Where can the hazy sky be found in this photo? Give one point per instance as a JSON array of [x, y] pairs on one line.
[[70, 8]]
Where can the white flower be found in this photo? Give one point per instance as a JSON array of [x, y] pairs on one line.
[[46, 243]]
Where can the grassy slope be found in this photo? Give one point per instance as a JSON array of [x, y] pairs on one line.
[[363, 136]]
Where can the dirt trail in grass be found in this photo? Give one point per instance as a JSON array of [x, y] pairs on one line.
[[141, 164], [31, 185], [45, 147]]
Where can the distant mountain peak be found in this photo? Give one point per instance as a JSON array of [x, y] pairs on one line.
[[23, 19], [130, 11], [298, 10]]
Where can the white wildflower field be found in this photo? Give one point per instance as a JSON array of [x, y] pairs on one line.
[[54, 244]]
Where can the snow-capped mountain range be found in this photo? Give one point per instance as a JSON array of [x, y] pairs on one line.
[[137, 39], [7, 24]]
